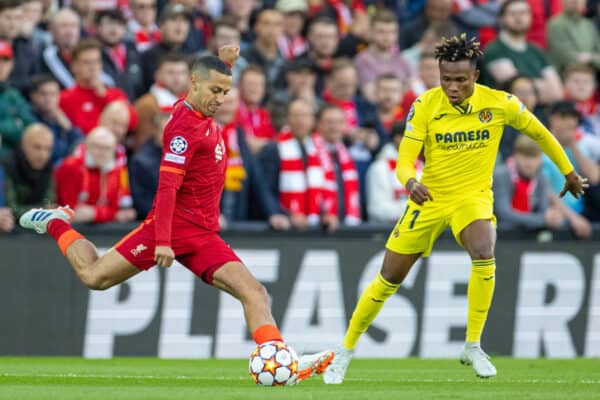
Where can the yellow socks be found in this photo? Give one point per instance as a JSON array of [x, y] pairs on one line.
[[368, 306], [479, 295]]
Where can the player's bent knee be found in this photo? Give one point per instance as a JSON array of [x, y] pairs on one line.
[[258, 292]]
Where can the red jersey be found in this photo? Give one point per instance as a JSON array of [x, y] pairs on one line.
[[107, 191], [192, 174], [83, 106]]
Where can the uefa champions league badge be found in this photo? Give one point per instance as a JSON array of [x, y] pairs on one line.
[[178, 145]]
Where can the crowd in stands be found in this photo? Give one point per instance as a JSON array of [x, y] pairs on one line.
[[314, 120]]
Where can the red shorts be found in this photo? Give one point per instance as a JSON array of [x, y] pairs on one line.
[[200, 251]]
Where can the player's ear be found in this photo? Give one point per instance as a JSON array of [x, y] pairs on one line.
[[476, 75], [194, 80]]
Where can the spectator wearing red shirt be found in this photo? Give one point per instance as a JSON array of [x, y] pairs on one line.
[[95, 185], [84, 103], [254, 119]]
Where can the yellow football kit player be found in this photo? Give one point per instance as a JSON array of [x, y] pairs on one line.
[[459, 125], [460, 146]]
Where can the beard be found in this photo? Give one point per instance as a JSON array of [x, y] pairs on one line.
[[517, 30]]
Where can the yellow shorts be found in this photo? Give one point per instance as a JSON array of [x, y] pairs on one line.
[[418, 228]]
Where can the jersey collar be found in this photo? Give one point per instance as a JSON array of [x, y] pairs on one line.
[[191, 108], [468, 106]]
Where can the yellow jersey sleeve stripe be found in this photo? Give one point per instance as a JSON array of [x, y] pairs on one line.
[[413, 138]]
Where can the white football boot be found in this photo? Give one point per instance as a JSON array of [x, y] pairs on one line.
[[334, 375], [473, 355], [313, 364], [37, 219]]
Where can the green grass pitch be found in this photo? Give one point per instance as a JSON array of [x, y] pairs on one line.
[[150, 378]]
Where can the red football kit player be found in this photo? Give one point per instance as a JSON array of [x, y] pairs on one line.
[[184, 220], [185, 214]]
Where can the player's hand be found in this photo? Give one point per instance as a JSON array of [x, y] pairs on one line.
[[164, 256], [418, 192], [229, 54], [575, 184]]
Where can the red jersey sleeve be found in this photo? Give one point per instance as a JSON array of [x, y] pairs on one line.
[[177, 153]]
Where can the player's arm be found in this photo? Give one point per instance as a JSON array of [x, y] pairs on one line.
[[523, 120], [176, 155], [410, 148]]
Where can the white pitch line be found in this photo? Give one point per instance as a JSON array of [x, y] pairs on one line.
[[223, 378]]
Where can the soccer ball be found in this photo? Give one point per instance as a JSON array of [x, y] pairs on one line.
[[273, 363]]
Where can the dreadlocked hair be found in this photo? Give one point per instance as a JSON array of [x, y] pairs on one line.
[[458, 48]]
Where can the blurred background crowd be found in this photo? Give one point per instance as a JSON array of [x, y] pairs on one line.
[[314, 121]]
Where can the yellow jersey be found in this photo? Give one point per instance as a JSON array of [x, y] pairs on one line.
[[461, 141]]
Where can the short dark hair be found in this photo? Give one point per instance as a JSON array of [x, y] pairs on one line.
[[173, 57], [582, 68], [565, 108], [113, 14], [37, 81], [458, 48], [384, 16], [206, 63], [9, 4], [507, 4], [85, 45]]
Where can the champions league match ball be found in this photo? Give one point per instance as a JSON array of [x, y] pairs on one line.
[[274, 364]]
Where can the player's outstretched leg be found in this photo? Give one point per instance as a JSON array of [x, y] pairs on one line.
[[236, 279], [386, 283], [95, 272], [479, 239]]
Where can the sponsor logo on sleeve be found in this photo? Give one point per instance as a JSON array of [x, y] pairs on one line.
[[178, 145], [174, 158], [411, 112]]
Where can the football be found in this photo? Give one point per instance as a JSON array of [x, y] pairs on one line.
[[273, 364]]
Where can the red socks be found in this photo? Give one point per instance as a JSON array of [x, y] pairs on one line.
[[266, 333], [63, 233]]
